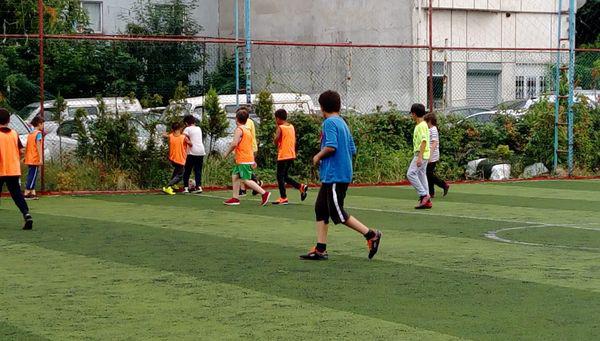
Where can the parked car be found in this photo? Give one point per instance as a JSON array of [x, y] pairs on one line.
[[53, 144], [463, 111], [90, 105]]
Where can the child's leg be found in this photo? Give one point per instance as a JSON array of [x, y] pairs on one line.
[[254, 186], [177, 174], [198, 163], [281, 179], [189, 163], [12, 183], [235, 183], [423, 176], [435, 179], [288, 180], [430, 177], [414, 177], [322, 217]]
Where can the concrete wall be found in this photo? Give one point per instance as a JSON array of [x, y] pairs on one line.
[[114, 13]]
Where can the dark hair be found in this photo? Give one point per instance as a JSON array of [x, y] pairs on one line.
[[4, 116], [37, 121], [330, 101], [418, 109], [241, 115], [189, 120], [176, 126], [281, 114], [431, 118]]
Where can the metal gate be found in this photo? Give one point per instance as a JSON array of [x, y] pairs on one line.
[[483, 89]]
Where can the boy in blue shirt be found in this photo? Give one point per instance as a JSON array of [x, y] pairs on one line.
[[335, 170]]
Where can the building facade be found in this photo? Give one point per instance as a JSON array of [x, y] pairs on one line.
[[372, 78]]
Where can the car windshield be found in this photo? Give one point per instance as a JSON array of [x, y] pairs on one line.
[[28, 110], [18, 125], [510, 105]]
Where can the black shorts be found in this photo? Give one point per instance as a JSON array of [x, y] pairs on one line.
[[330, 203]]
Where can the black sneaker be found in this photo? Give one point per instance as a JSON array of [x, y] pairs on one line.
[[242, 193], [373, 244], [28, 222], [303, 192], [313, 254], [446, 189]]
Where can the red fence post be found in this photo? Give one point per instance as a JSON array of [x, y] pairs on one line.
[[41, 113]]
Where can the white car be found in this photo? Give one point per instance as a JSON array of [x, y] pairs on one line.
[[90, 105], [53, 144]]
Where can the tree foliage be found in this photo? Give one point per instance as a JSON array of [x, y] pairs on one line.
[[214, 119]]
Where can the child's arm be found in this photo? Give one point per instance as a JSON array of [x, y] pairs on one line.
[[323, 154], [237, 137], [421, 152], [433, 145], [187, 141], [39, 147], [277, 136]]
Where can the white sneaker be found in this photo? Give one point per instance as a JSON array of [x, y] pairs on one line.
[[186, 190], [198, 190]]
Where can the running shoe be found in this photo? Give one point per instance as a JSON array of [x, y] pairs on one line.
[[232, 202], [168, 190], [28, 222], [265, 198], [314, 254], [373, 244], [281, 201], [242, 193], [424, 203], [303, 192], [198, 190], [446, 189]]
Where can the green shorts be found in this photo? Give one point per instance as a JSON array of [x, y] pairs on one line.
[[244, 171]]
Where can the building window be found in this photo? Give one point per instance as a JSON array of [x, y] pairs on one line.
[[542, 86], [94, 12], [532, 90], [520, 88], [439, 86]]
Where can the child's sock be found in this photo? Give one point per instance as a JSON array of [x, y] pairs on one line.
[[369, 235]]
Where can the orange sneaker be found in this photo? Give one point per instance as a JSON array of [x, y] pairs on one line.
[[281, 201], [373, 244]]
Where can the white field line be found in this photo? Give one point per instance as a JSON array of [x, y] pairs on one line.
[[427, 213], [493, 235]]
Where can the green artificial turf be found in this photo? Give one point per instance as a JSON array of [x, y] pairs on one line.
[[186, 267]]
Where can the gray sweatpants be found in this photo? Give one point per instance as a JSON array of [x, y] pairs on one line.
[[418, 176]]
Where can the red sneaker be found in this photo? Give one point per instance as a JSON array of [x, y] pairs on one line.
[[265, 198], [232, 202], [425, 203]]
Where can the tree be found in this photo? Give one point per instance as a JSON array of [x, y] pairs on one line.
[[173, 17], [223, 77], [263, 108], [588, 29], [214, 119]]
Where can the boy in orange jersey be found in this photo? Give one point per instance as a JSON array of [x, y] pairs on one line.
[[178, 144], [285, 139], [10, 166], [33, 156], [244, 161]]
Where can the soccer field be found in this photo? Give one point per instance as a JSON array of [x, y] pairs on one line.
[[490, 262]]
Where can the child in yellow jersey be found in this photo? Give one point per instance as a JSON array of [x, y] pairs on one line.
[[244, 161], [10, 166], [33, 156], [285, 139], [417, 171], [178, 144]]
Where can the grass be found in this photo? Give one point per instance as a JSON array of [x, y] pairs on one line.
[[187, 267]]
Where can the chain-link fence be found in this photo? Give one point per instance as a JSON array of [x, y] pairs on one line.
[[489, 73]]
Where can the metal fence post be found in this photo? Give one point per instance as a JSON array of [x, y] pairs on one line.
[[430, 63], [248, 53]]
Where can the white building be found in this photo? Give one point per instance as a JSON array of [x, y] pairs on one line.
[[371, 77]]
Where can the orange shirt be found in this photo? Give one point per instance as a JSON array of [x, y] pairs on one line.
[[177, 149], [287, 143], [32, 154], [10, 163], [244, 153]]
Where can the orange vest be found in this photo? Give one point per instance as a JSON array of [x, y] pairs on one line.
[[287, 143], [177, 149], [244, 154], [32, 154], [10, 163]]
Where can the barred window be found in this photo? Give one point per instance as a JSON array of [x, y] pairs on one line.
[[520, 87]]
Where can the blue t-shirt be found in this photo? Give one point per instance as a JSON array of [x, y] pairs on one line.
[[337, 168]]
